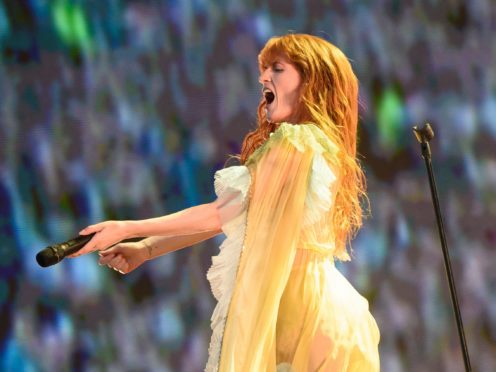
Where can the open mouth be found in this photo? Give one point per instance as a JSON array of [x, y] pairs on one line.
[[268, 95]]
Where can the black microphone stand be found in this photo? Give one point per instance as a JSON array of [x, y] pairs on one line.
[[424, 135]]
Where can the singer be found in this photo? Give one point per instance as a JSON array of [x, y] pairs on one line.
[[288, 211]]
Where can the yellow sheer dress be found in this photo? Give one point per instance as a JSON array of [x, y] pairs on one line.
[[282, 304]]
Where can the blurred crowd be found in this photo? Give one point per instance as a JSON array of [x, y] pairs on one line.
[[125, 109]]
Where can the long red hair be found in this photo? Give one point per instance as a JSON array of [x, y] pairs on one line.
[[329, 99]]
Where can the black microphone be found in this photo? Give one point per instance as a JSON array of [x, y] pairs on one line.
[[55, 253]]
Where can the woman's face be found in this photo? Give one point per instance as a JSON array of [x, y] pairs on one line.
[[281, 89]]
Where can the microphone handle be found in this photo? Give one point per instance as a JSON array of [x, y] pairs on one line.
[[71, 246], [53, 254]]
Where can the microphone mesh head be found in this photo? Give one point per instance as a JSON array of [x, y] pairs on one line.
[[46, 258]]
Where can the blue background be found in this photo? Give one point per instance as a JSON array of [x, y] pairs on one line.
[[125, 109]]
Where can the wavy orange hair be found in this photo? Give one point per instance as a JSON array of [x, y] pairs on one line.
[[329, 99]]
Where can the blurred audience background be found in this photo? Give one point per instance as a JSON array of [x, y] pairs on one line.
[[124, 109]]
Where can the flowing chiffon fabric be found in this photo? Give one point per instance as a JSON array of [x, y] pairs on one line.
[[282, 304]]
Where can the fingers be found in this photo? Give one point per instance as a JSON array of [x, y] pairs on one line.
[[91, 246], [93, 228], [105, 259], [117, 263], [110, 251], [99, 241]]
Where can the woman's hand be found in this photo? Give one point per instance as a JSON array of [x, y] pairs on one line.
[[107, 234], [124, 257]]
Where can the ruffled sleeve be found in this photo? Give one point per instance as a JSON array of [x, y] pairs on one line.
[[231, 185], [319, 198], [289, 172]]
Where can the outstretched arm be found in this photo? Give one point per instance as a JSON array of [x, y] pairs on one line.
[[125, 257], [199, 219], [188, 222], [159, 245]]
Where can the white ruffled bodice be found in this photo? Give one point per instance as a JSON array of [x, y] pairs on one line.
[[232, 187]]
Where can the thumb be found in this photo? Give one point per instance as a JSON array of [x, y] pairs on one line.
[[92, 228], [85, 231], [109, 251]]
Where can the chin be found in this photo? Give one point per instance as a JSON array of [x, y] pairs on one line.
[[278, 119], [281, 117], [283, 120]]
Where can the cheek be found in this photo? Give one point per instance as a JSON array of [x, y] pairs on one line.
[[292, 95], [289, 90]]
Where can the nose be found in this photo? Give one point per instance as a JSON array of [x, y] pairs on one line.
[[264, 76]]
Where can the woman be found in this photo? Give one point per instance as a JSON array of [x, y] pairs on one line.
[[287, 212]]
